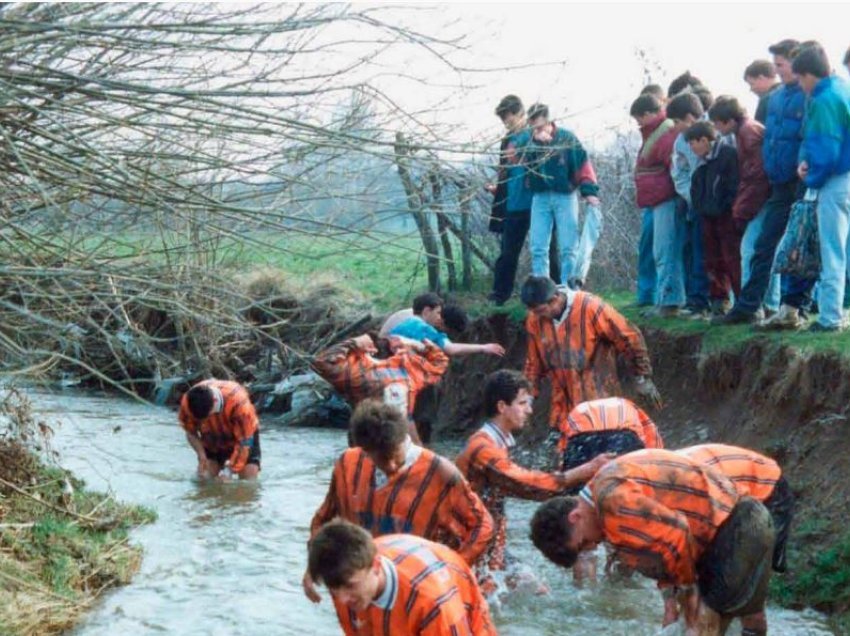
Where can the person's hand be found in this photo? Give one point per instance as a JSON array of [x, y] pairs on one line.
[[366, 343], [688, 601], [671, 610], [494, 349], [543, 135], [203, 467], [592, 200], [596, 464], [491, 187], [803, 170], [645, 388], [309, 587]]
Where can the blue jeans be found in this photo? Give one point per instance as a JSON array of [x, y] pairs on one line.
[[646, 277], [589, 237], [833, 226], [560, 210], [748, 250], [696, 280], [668, 244]]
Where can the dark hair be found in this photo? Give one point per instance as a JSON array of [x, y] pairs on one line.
[[682, 82], [645, 104], [811, 59], [785, 48], [684, 104], [503, 386], [200, 399], [537, 290], [428, 300], [551, 530], [705, 96], [699, 130], [538, 110], [338, 551], [846, 56], [509, 105], [760, 68], [455, 318], [653, 89], [727, 107], [377, 427]]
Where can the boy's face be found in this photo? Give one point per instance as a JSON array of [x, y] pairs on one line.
[[539, 123], [645, 118], [724, 127], [516, 413], [513, 121], [760, 84], [433, 316], [701, 147], [783, 69], [808, 82], [361, 589]]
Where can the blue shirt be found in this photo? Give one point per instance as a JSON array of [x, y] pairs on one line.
[[417, 329], [519, 195]]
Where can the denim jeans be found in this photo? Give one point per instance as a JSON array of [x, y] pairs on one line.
[[646, 277], [560, 210], [748, 250], [833, 214], [668, 243], [696, 280], [514, 231], [589, 237]]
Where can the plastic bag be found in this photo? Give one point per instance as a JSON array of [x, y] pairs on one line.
[[798, 253]]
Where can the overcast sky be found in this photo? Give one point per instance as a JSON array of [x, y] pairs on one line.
[[593, 51]]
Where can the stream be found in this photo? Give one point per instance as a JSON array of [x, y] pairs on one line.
[[227, 559]]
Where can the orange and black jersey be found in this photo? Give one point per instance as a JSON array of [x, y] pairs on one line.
[[753, 475], [609, 414], [428, 498], [356, 375], [578, 353], [231, 430], [429, 591], [486, 463], [660, 511]]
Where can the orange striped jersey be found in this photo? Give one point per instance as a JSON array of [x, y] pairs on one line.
[[231, 429], [609, 414], [486, 462], [429, 591], [660, 511], [427, 497], [578, 353], [356, 375], [753, 475]]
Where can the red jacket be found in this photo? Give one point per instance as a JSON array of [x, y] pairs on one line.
[[652, 171], [753, 186]]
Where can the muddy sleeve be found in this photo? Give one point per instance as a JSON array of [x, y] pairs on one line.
[[330, 506], [332, 363], [434, 363], [625, 337], [650, 432], [185, 418], [646, 535], [468, 519], [513, 479], [533, 360], [244, 425]]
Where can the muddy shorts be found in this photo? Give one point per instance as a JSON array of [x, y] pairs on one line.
[[780, 504], [734, 571], [583, 447], [220, 457]]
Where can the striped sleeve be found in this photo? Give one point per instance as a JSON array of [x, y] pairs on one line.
[[465, 517], [244, 424], [511, 478], [330, 507], [651, 436], [625, 337], [185, 418], [533, 362]]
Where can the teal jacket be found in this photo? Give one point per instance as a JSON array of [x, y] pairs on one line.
[[561, 165], [826, 132]]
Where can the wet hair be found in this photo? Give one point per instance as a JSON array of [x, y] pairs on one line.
[[725, 108], [551, 530], [653, 89], [645, 104], [784, 48], [811, 59], [509, 105], [538, 110], [537, 290], [338, 551], [685, 80], [760, 68], [428, 300], [685, 104], [377, 427], [699, 130], [503, 386], [455, 318], [200, 400]]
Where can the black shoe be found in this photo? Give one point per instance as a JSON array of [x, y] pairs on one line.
[[816, 327], [735, 317], [496, 299]]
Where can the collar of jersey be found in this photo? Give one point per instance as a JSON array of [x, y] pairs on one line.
[[387, 599], [496, 434]]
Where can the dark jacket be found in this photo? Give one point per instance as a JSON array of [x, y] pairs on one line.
[[761, 109], [652, 171], [783, 133], [753, 186], [562, 165], [715, 182]]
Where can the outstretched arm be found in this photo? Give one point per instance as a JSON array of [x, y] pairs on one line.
[[460, 349]]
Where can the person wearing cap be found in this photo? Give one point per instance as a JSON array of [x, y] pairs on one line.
[[573, 339]]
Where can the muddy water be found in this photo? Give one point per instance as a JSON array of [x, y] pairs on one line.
[[227, 559]]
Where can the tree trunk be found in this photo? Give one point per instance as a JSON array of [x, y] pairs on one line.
[[442, 227], [464, 196]]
